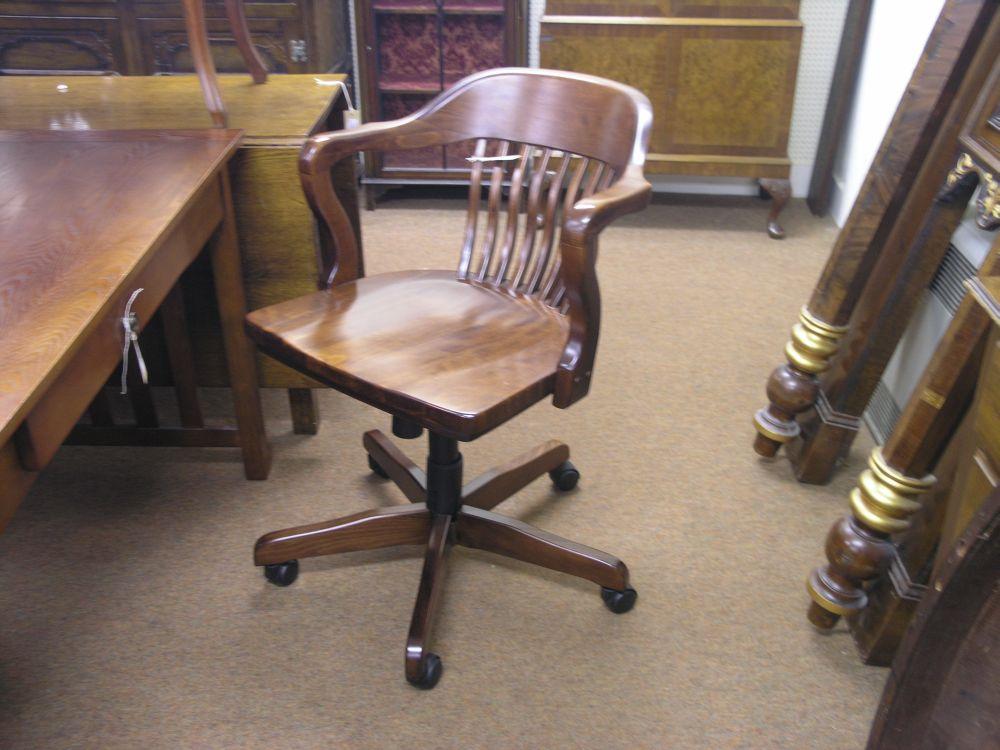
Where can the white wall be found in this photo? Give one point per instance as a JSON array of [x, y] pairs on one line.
[[897, 32]]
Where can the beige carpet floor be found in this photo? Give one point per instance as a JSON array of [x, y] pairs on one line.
[[132, 616]]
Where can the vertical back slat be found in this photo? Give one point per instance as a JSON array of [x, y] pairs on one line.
[[572, 195], [532, 214], [472, 219], [551, 221], [493, 212], [513, 208]]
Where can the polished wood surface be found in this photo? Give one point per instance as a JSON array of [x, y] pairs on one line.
[[460, 352], [458, 358], [135, 209], [148, 37], [491, 106], [905, 176], [276, 228], [129, 189], [689, 58], [288, 107], [944, 689]]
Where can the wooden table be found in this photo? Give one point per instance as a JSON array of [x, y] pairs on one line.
[[87, 218], [276, 227]]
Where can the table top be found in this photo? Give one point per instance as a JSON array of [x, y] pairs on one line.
[[286, 107], [80, 214]]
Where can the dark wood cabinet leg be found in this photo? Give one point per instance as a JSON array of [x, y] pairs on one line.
[[498, 484], [780, 191], [370, 529], [488, 531], [305, 411], [405, 474], [423, 668], [227, 272]]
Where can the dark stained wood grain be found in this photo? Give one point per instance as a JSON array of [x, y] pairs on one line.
[[909, 257], [944, 688], [428, 602], [492, 488], [493, 355], [460, 352], [489, 531], [858, 547], [905, 176], [370, 529]]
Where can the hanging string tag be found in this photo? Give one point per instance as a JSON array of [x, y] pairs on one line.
[[129, 323], [352, 118]]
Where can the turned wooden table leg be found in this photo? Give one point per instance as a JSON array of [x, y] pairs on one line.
[[793, 387], [858, 547], [305, 411], [780, 191]]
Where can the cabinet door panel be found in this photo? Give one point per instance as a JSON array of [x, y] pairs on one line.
[[165, 45], [677, 8], [715, 89], [56, 44]]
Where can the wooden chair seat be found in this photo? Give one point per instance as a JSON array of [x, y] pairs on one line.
[[455, 356]]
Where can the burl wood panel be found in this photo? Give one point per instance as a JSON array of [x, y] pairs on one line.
[[690, 69], [678, 8]]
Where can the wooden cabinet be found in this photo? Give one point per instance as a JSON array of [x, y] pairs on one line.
[[146, 37], [411, 50], [719, 73]]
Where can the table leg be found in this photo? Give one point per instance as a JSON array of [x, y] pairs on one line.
[[305, 411], [231, 299]]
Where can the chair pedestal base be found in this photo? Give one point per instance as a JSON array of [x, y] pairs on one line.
[[471, 525]]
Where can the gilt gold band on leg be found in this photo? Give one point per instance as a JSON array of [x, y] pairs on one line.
[[858, 547], [884, 499], [792, 387], [813, 342]]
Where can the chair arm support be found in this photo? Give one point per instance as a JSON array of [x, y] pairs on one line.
[[578, 248], [340, 255]]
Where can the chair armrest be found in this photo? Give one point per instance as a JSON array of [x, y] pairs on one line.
[[578, 248], [339, 245]]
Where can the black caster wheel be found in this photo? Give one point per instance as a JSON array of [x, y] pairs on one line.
[[432, 668], [282, 574], [619, 602], [376, 469], [564, 476]]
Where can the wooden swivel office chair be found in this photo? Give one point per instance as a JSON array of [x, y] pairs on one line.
[[460, 353]]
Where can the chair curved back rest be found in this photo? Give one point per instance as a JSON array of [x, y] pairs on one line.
[[550, 138]]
